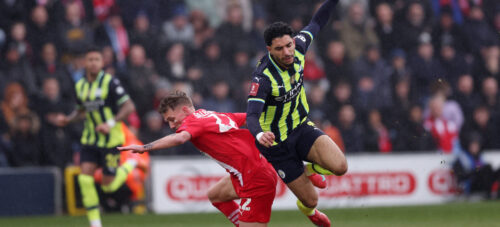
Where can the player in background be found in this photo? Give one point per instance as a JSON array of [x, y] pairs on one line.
[[103, 102], [277, 114], [219, 136]]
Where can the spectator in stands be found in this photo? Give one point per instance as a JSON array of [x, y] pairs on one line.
[[413, 27], [172, 65], [55, 141], [491, 97], [341, 94], [25, 153], [219, 99], [231, 31], [76, 66], [18, 69], [482, 124], [466, 96], [318, 107], [373, 76], [488, 65], [447, 31], [19, 41], [113, 33], [22, 126], [402, 102], [50, 67], [202, 29], [213, 64], [140, 80], [444, 132], [313, 69], [143, 34], [40, 31], [453, 63], [178, 29], [411, 134], [451, 108], [473, 173], [386, 29], [477, 30], [399, 66], [351, 131], [426, 68], [337, 65], [377, 137], [356, 32], [74, 33]]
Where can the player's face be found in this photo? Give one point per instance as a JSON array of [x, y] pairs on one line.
[[174, 117], [93, 62], [283, 50]]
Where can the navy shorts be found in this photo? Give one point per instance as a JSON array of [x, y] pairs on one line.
[[287, 157], [107, 158]]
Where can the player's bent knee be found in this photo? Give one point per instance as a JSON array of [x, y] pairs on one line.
[[341, 168], [212, 195]]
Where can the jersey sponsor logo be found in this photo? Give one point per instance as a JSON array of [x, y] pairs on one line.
[[254, 89], [93, 105], [301, 37], [441, 182], [290, 95], [371, 184]]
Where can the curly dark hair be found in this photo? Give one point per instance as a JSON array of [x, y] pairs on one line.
[[174, 100], [276, 30]]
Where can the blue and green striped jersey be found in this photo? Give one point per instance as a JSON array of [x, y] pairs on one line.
[[101, 100]]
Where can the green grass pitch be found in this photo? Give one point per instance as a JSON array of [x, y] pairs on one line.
[[453, 214]]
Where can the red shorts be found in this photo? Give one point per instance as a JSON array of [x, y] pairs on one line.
[[257, 195]]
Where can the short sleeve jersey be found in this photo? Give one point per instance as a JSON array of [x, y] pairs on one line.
[[101, 100]]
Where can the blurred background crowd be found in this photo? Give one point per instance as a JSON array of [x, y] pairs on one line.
[[382, 76]]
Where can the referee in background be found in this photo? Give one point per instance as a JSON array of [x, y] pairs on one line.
[[104, 104]]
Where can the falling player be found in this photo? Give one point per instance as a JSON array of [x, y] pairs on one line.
[[218, 135]]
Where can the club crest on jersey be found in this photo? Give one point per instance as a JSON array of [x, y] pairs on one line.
[[254, 89], [281, 173]]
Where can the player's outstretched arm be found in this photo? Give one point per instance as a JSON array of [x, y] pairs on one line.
[[169, 141], [321, 17]]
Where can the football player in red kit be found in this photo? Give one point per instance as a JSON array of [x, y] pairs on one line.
[[218, 135]]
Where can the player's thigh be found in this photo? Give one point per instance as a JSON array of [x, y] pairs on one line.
[[328, 155], [88, 168], [304, 190], [89, 160], [222, 191], [252, 224]]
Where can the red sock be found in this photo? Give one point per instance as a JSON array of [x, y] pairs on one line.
[[231, 209]]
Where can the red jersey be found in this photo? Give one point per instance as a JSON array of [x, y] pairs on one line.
[[218, 136]]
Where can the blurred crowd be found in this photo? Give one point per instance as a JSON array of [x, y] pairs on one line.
[[382, 76]]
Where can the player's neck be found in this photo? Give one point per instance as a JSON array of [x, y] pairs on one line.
[[91, 77]]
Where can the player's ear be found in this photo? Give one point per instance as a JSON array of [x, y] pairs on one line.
[[268, 48], [185, 109]]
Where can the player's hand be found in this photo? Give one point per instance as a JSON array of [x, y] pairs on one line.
[[134, 148], [267, 139], [60, 120], [102, 128]]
